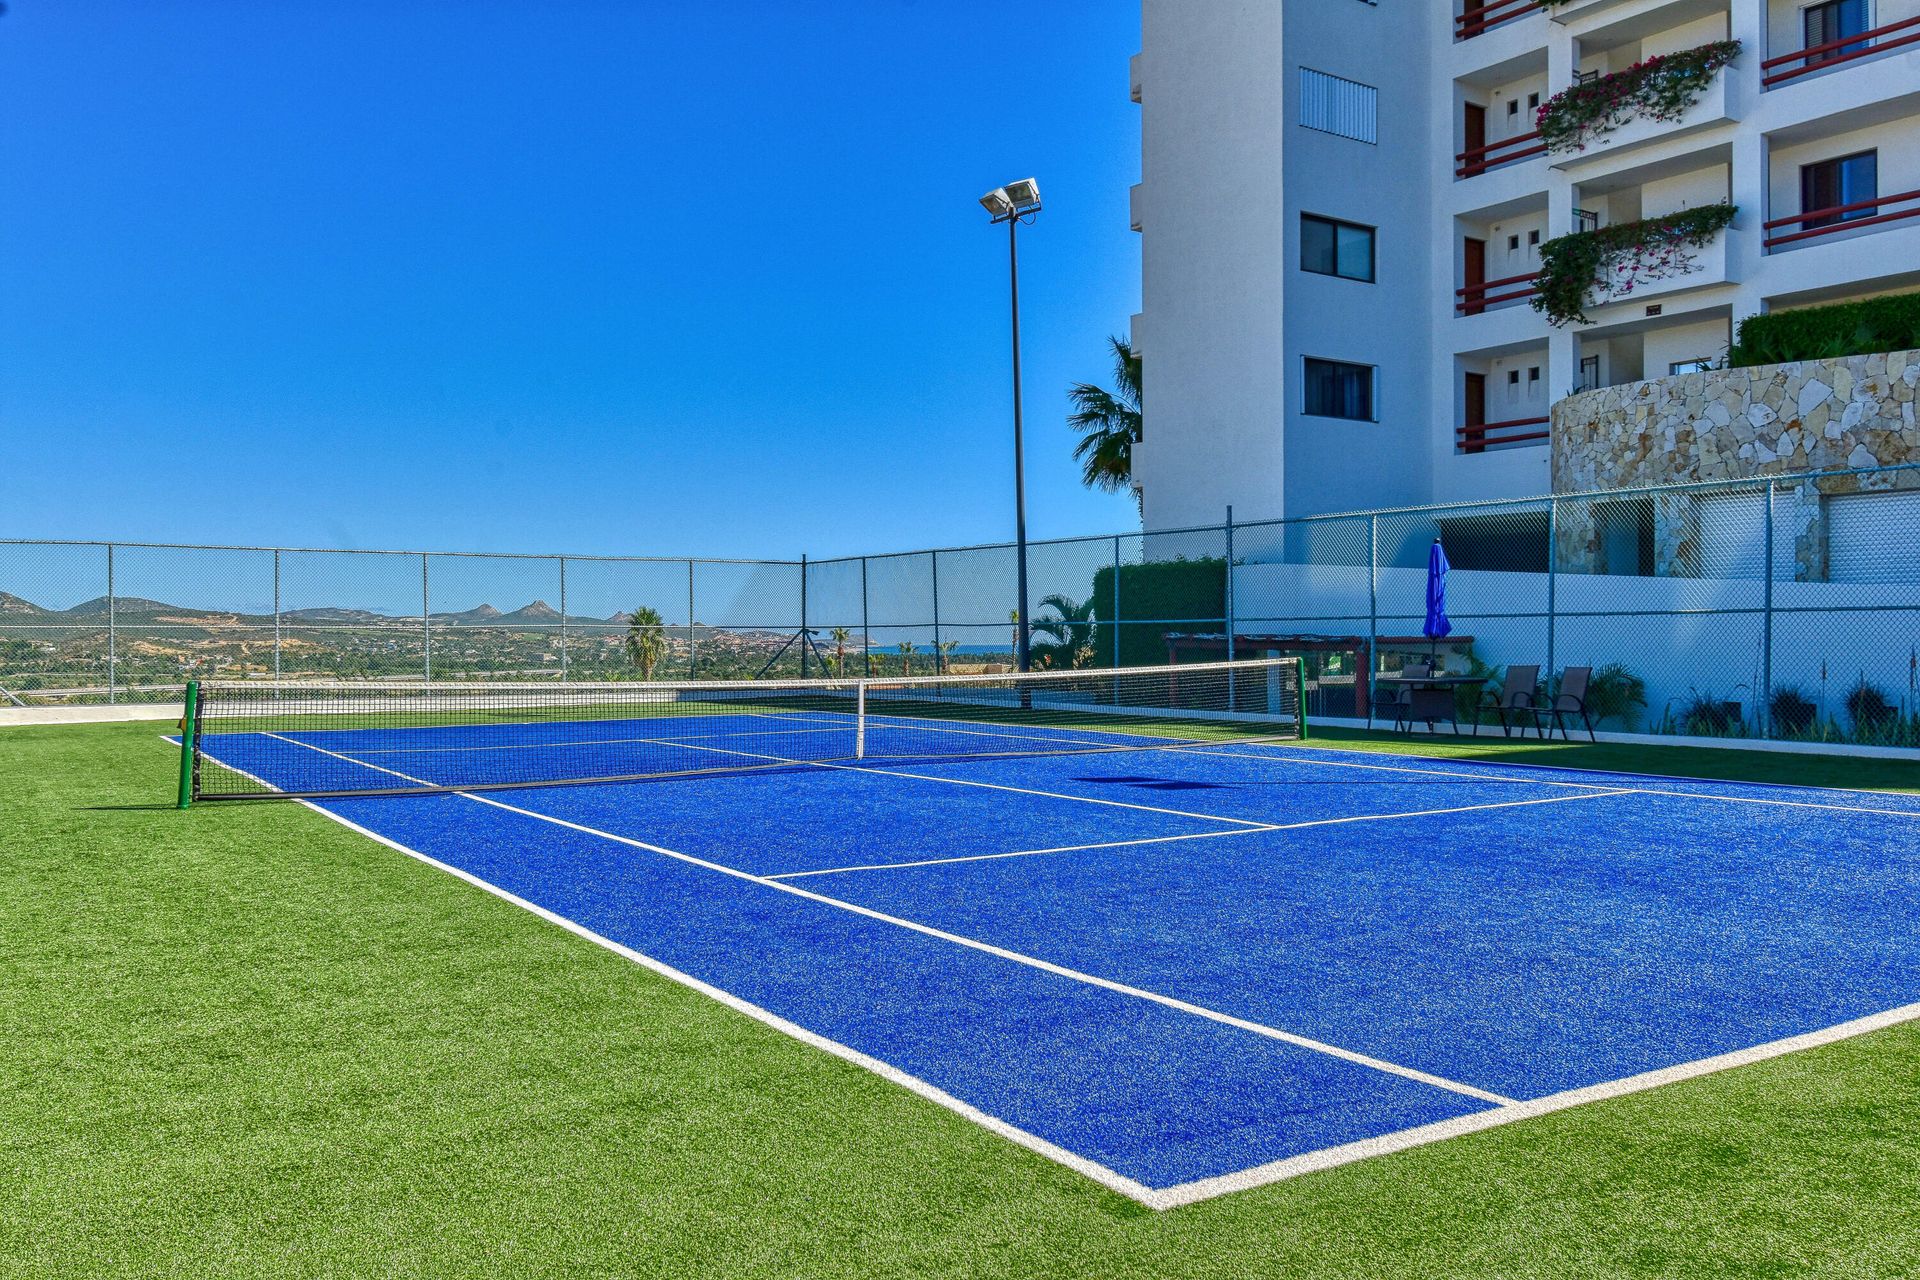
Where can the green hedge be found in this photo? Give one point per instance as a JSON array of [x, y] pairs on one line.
[[1828, 333], [1194, 592]]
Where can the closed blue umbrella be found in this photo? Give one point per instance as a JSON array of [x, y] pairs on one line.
[[1437, 622]]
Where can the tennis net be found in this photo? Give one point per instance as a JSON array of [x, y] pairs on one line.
[[262, 739]]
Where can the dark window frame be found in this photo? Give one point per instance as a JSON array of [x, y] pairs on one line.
[[1811, 183], [1371, 408], [1335, 225], [1827, 21]]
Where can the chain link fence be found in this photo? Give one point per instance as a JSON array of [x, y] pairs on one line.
[[1787, 607]]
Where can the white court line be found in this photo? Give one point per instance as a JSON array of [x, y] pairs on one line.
[[1278, 826], [1553, 782], [1024, 853], [1202, 1189], [975, 944], [1331, 1157]]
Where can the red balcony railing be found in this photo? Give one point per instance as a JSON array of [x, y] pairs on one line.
[[1475, 298], [1841, 222], [1477, 160], [1835, 52], [1479, 17], [1488, 434]]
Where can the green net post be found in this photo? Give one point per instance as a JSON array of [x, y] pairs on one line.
[[1300, 686], [189, 726]]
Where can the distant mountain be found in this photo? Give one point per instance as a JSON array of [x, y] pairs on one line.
[[539, 613], [13, 606]]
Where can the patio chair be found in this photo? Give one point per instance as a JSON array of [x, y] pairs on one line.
[[1517, 701], [1397, 701], [1571, 699]]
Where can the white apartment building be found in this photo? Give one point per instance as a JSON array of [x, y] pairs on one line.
[[1342, 204]]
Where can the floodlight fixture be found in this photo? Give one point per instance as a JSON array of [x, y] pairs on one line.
[[997, 203], [1025, 195]]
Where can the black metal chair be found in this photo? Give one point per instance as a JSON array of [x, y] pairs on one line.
[[1397, 700], [1571, 699], [1517, 701]]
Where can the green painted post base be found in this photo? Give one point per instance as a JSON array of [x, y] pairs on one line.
[[189, 724]]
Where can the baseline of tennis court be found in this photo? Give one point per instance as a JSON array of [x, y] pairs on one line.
[[1186, 971]]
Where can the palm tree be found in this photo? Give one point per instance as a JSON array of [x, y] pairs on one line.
[[907, 649], [1071, 629], [1108, 423], [945, 659], [646, 639], [840, 636]]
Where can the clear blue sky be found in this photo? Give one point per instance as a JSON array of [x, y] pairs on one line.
[[632, 276]]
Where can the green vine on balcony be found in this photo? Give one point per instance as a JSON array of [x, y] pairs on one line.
[[1614, 261], [1660, 88]]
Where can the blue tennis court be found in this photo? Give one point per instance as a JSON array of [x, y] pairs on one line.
[[1187, 970]]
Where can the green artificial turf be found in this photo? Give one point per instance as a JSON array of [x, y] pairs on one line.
[[242, 1040]]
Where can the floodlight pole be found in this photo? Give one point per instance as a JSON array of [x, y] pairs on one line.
[[1023, 656]]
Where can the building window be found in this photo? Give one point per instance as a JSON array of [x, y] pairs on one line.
[[1344, 108], [1831, 184], [1533, 374], [1513, 377], [1826, 23], [1533, 102], [1332, 248], [1336, 389], [1679, 367], [1513, 106], [1533, 239], [1513, 244]]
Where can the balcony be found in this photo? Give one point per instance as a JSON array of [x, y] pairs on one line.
[[1477, 17], [1712, 107], [1789, 67], [1475, 161], [1474, 299], [1841, 218], [1496, 435]]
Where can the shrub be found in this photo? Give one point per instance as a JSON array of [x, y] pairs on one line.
[[1661, 88], [1829, 333], [1615, 259], [1871, 711], [1707, 715], [1792, 711], [1170, 595]]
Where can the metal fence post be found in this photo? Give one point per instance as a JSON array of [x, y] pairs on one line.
[[276, 616], [426, 621], [866, 631], [1553, 581], [1116, 601], [693, 636], [1764, 713], [806, 637], [939, 654], [563, 617], [1230, 619], [1373, 603], [113, 638]]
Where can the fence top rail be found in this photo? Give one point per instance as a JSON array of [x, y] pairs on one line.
[[396, 551]]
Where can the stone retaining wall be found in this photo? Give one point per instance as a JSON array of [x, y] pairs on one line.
[[1733, 424], [1729, 425]]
